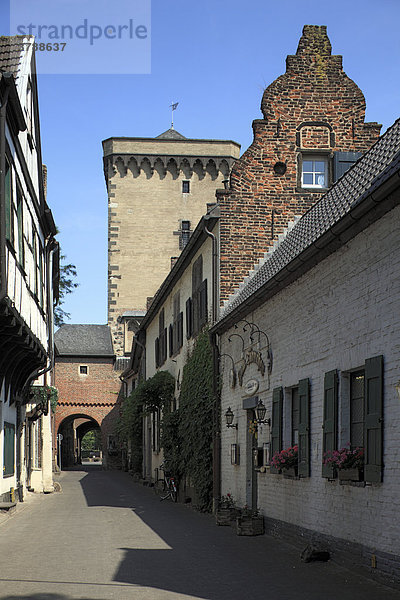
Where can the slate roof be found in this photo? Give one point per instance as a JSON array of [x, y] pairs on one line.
[[171, 134], [358, 183], [84, 340], [11, 51]]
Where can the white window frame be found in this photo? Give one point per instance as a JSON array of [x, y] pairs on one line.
[[314, 158]]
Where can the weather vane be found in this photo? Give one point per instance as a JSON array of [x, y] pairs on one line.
[[173, 106]]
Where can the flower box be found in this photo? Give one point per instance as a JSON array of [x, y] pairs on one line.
[[250, 525], [225, 516], [351, 474], [291, 472]]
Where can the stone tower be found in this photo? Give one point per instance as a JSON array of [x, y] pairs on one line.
[[312, 131], [158, 189]]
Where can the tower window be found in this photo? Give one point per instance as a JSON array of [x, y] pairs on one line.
[[185, 187], [314, 172], [185, 234]]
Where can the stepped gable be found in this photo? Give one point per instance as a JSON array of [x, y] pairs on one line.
[[314, 109], [325, 87], [368, 173], [84, 340]]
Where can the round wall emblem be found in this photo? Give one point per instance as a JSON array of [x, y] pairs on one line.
[[251, 386]]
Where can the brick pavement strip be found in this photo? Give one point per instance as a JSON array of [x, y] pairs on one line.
[[105, 537]]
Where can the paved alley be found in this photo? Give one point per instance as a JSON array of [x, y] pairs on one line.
[[105, 537]]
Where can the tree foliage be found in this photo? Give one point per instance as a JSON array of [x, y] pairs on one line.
[[68, 274], [91, 440]]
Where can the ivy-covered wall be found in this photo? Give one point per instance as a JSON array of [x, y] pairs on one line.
[[187, 433]]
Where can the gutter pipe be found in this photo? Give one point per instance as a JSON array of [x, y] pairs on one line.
[[216, 395]]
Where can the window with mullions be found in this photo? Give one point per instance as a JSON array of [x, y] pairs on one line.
[[161, 341], [9, 450], [184, 234], [295, 416], [8, 203], [357, 409], [20, 222], [314, 172], [360, 408]]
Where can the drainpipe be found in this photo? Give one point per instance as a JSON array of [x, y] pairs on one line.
[[216, 394], [3, 114], [214, 274]]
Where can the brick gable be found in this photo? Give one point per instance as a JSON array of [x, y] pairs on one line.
[[314, 106]]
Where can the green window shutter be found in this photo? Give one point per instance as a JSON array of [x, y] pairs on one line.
[[171, 336], [203, 312], [329, 436], [189, 318], [9, 450], [304, 428], [373, 412], [342, 161], [157, 351], [195, 313], [276, 423], [180, 331], [8, 202]]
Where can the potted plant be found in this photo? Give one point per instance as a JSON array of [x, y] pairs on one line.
[[348, 463], [226, 511], [287, 461], [249, 522]]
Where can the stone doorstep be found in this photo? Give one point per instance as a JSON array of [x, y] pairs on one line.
[[7, 507]]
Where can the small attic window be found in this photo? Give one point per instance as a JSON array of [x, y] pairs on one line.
[[83, 369], [314, 172]]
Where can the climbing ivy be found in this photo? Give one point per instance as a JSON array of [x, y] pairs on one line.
[[153, 394], [187, 433], [40, 394]]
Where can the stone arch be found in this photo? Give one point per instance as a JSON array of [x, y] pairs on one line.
[[159, 167], [146, 167], [134, 167], [70, 432], [224, 168], [198, 169], [186, 169], [172, 168], [212, 170], [120, 165]]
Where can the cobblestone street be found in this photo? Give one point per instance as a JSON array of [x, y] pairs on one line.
[[105, 537]]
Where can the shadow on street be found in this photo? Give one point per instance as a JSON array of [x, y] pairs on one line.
[[210, 562]]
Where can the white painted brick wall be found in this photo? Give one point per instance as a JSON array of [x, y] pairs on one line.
[[343, 311]]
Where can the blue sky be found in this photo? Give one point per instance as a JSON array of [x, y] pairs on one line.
[[214, 57]]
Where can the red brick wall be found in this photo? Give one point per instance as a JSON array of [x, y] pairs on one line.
[[93, 395], [314, 105]]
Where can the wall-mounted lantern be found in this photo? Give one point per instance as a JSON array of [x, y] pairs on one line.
[[229, 418], [260, 412]]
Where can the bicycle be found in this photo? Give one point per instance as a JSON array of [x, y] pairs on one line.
[[166, 487]]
